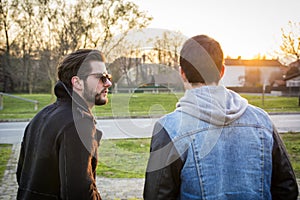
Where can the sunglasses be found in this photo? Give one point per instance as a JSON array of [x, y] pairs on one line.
[[102, 76]]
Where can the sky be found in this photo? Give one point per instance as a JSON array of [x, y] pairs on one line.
[[244, 28]]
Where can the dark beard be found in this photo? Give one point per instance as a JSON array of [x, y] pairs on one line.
[[99, 101], [92, 98]]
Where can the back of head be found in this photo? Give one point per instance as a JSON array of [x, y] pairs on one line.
[[201, 59], [77, 64]]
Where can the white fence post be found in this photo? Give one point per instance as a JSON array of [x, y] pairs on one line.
[[16, 97]]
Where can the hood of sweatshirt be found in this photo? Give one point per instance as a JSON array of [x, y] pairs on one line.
[[213, 104]]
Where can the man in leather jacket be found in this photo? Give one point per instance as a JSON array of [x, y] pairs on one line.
[[58, 156], [215, 145]]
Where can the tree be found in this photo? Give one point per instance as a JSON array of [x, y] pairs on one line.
[[21, 44], [130, 56], [106, 19], [26, 22], [37, 34], [62, 28], [5, 25], [290, 47], [167, 46]]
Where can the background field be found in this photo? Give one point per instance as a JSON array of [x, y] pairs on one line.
[[136, 105], [128, 157]]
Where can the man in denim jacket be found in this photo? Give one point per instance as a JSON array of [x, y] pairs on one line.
[[215, 145]]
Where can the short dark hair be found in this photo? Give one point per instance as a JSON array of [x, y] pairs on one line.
[[77, 64], [201, 59]]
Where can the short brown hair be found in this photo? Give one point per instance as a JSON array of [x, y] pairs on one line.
[[77, 64], [201, 59]]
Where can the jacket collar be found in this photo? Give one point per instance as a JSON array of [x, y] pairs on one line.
[[64, 93]]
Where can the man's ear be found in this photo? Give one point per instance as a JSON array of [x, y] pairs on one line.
[[222, 71], [186, 83], [76, 83], [182, 74]]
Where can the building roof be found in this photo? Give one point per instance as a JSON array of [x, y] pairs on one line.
[[295, 69], [255, 63], [295, 64]]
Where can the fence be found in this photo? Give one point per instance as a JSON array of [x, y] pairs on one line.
[[16, 97], [143, 90]]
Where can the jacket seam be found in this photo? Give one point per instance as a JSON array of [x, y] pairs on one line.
[[39, 193], [263, 164], [193, 132], [65, 166], [199, 173]]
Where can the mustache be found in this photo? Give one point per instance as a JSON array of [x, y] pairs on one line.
[[102, 91]]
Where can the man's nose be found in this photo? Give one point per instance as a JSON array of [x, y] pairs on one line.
[[107, 83]]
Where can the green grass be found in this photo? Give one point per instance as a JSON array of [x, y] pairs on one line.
[[292, 143], [5, 152], [123, 158], [139, 104], [127, 158], [274, 103], [120, 105], [18, 109], [136, 105]]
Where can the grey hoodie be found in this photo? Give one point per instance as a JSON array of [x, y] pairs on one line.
[[213, 104]]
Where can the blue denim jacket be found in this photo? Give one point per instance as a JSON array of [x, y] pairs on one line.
[[212, 147]]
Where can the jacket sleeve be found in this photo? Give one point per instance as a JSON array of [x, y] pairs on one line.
[[21, 157], [284, 183], [75, 163], [164, 166], [20, 163]]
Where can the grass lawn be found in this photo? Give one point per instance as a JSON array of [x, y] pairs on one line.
[[136, 105], [123, 158], [127, 158], [274, 103], [5, 152], [18, 109], [139, 104], [292, 143], [120, 105]]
